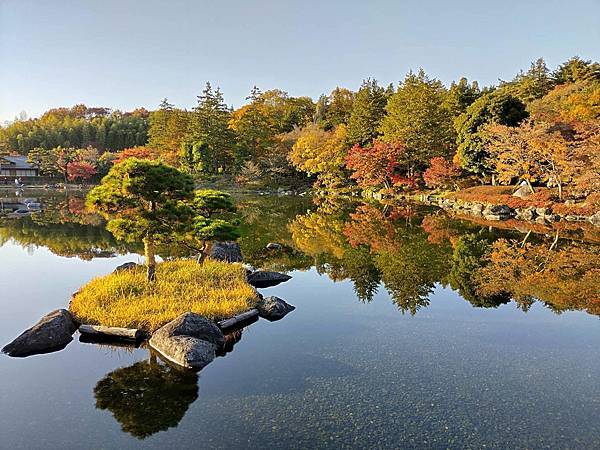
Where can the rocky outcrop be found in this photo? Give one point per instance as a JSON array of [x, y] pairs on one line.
[[190, 341], [264, 279], [273, 308], [226, 251], [51, 333]]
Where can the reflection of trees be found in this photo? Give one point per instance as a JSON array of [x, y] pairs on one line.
[[147, 397], [467, 260], [264, 220], [409, 255], [564, 275], [63, 239]]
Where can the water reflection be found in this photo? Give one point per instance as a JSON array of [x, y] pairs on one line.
[[404, 249], [147, 397]]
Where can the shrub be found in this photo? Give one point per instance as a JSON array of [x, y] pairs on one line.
[[214, 289]]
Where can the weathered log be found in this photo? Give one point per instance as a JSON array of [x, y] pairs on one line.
[[244, 318], [99, 331]]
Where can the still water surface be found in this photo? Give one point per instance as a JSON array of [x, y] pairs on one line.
[[402, 337]]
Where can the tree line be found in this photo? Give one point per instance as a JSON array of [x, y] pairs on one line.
[[541, 127]]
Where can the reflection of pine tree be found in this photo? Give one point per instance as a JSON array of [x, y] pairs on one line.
[[147, 397]]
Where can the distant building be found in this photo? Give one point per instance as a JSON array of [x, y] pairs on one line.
[[17, 166]]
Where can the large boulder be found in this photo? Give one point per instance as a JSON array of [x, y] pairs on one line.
[[273, 308], [190, 341], [51, 333], [226, 251], [263, 279]]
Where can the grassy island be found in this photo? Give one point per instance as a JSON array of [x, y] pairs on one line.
[[213, 289]]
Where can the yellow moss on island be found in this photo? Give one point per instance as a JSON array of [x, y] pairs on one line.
[[126, 299]]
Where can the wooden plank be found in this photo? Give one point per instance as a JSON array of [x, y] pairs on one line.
[[241, 319], [99, 331]]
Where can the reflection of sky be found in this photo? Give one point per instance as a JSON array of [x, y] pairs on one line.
[[335, 370]]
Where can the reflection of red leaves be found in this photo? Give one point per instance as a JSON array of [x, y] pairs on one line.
[[369, 226], [437, 229]]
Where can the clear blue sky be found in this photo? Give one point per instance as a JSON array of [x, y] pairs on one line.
[[125, 53]]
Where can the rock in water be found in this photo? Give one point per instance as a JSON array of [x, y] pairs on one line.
[[273, 308], [226, 251], [51, 333], [263, 279], [274, 246], [190, 340]]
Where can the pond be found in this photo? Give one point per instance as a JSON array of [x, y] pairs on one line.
[[412, 328]]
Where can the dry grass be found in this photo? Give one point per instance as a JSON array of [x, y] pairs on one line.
[[125, 299]]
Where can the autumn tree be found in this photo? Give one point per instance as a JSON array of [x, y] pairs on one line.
[[495, 107], [334, 109], [321, 153], [418, 117], [441, 173], [368, 109], [80, 170], [135, 152], [378, 165]]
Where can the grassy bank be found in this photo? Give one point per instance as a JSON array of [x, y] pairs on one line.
[[125, 299]]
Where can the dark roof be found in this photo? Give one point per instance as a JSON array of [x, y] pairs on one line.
[[15, 162]]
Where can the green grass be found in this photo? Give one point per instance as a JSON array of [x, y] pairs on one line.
[[214, 289]]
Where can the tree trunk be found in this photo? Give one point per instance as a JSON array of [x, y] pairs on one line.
[[149, 251], [202, 255], [559, 184], [493, 179]]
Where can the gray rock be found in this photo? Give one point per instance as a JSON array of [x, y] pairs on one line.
[[523, 191], [263, 279], [526, 213], [51, 333], [501, 210], [226, 251], [595, 219], [126, 266], [190, 341], [185, 351], [273, 308], [274, 246]]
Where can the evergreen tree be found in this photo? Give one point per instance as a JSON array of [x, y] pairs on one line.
[[531, 85], [576, 69], [418, 118], [368, 110], [461, 95], [210, 126]]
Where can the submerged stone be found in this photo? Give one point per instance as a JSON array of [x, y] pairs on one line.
[[51, 333]]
